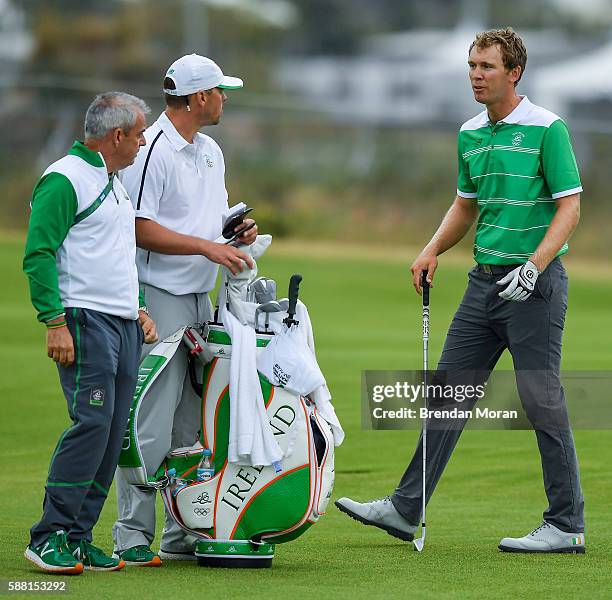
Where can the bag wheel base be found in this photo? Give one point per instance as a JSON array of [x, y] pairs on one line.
[[234, 554]]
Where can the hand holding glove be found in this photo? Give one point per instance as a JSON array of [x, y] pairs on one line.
[[521, 282]]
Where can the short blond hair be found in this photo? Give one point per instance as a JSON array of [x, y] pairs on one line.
[[511, 46]]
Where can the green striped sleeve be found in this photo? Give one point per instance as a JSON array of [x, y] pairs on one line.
[[465, 185], [558, 161], [54, 206]]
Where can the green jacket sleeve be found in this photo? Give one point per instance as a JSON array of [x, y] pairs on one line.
[[142, 303], [54, 206]]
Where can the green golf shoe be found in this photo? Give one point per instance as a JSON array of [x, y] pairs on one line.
[[53, 556], [93, 558], [139, 556]]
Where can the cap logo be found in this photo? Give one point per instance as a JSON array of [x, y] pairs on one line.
[[170, 71]]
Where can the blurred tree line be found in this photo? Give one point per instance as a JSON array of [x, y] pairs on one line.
[[305, 175]]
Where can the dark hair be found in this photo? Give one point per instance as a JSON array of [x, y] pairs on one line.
[[174, 101], [513, 51]]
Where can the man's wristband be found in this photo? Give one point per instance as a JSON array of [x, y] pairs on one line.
[[144, 309], [54, 325]]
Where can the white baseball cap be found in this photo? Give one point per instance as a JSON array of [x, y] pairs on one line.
[[194, 73]]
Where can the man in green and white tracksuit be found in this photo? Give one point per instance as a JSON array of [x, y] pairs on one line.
[[519, 180], [80, 262]]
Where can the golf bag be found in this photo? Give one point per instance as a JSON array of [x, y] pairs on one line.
[[238, 511]]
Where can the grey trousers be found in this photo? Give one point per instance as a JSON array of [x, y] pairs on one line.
[[99, 387], [483, 327], [170, 420]]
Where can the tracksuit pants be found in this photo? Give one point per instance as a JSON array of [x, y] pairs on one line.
[[99, 388], [483, 327]]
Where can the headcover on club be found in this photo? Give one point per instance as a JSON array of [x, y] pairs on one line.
[[262, 290], [238, 284], [197, 346]]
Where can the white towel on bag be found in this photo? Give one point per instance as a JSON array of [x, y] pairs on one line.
[[251, 439]]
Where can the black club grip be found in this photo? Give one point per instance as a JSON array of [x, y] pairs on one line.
[[425, 288], [294, 290]]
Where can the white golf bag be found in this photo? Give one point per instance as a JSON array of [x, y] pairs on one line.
[[241, 502]]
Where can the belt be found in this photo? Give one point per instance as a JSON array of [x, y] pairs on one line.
[[496, 269]]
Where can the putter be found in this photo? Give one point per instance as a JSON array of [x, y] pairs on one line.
[[419, 543]]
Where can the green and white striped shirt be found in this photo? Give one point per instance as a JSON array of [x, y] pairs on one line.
[[516, 169]]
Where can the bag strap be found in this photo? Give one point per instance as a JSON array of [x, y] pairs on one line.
[[96, 203]]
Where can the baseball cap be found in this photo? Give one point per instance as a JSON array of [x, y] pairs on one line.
[[194, 73]]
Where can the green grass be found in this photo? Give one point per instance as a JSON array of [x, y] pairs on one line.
[[365, 316]]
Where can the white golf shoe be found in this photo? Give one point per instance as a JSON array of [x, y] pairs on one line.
[[545, 538], [379, 513], [176, 555]]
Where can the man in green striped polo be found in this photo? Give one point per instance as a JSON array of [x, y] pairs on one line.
[[519, 181]]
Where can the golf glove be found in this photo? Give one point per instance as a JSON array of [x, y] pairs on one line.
[[521, 282]]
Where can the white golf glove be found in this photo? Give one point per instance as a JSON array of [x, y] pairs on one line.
[[521, 282]]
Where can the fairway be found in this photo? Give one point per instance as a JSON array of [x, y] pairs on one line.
[[365, 315]]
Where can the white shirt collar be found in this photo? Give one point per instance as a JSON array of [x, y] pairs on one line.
[[519, 113], [176, 139]]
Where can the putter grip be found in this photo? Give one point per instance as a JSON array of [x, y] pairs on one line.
[[425, 288], [294, 289]]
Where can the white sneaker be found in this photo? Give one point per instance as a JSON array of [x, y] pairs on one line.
[[173, 555], [545, 538], [379, 513]]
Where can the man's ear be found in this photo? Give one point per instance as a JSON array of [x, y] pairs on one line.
[[202, 97], [516, 73], [117, 136]]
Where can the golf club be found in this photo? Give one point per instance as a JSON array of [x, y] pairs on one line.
[[267, 308], [262, 290], [419, 543], [294, 289]]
